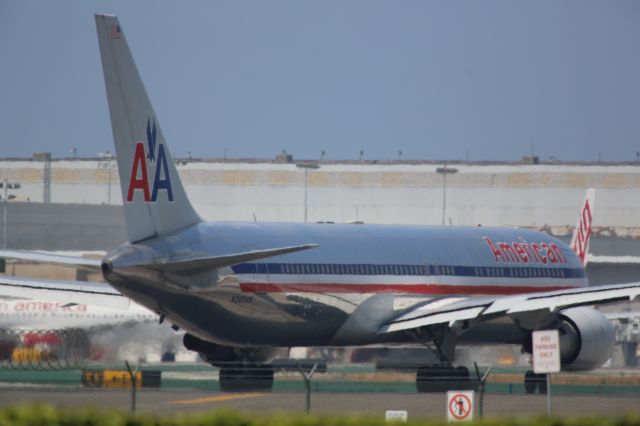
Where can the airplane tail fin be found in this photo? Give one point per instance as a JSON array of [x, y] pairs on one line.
[[155, 202], [582, 233]]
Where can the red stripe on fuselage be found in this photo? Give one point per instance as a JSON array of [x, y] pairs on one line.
[[433, 289]]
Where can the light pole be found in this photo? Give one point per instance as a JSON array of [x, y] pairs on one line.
[[109, 156], [444, 171], [7, 186], [306, 167]]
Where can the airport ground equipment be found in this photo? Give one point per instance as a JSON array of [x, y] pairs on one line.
[[120, 379], [44, 349]]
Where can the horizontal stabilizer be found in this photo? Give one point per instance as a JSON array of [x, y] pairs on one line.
[[77, 292], [202, 264], [40, 257]]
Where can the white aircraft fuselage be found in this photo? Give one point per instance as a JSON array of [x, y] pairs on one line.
[[42, 315]]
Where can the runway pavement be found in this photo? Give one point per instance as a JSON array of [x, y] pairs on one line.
[[418, 405]]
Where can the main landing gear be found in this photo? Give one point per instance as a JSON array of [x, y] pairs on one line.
[[535, 382], [246, 378], [443, 378]]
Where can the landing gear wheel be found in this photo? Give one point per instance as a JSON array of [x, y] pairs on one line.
[[529, 384], [462, 378], [534, 381], [443, 378], [542, 384], [630, 350], [246, 378]]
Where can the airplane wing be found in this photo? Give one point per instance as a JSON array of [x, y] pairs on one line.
[[450, 310], [76, 292], [39, 257]]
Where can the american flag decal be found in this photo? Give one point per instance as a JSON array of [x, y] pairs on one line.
[[115, 31]]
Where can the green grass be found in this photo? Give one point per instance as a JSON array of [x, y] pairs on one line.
[[46, 415]]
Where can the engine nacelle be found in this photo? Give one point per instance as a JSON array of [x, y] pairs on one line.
[[587, 339]]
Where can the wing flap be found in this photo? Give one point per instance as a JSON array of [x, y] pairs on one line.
[[565, 298], [436, 318]]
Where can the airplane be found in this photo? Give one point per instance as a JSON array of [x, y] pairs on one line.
[[624, 316], [243, 290], [70, 331]]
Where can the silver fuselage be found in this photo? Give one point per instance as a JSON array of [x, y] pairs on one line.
[[341, 292]]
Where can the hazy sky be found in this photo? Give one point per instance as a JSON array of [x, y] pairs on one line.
[[437, 80]]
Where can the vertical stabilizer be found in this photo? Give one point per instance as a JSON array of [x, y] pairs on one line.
[[582, 233], [155, 202]]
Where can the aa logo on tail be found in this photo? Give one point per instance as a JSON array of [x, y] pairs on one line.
[[143, 163]]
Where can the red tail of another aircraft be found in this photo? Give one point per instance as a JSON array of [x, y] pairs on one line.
[[582, 233]]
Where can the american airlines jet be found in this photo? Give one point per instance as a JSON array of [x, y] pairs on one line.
[[243, 290]]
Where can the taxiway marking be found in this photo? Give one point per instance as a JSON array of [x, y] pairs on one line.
[[218, 398]]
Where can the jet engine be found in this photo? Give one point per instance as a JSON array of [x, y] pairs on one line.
[[587, 339]]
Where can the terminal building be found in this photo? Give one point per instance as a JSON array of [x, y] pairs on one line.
[[526, 194]]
